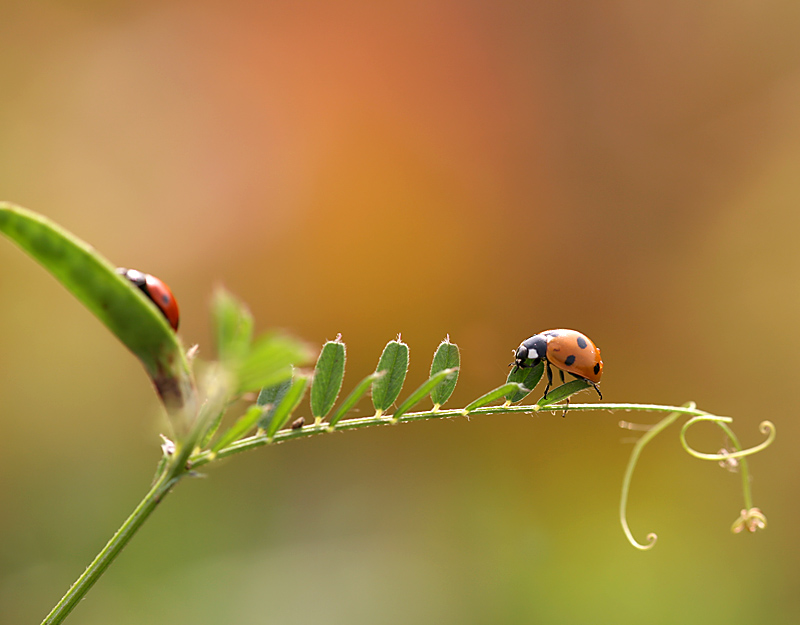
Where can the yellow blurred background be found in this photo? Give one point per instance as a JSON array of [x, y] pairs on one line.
[[483, 170]]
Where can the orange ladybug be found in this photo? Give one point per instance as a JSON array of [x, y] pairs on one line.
[[157, 291], [567, 350]]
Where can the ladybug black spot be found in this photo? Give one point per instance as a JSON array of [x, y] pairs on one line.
[[569, 360], [597, 368], [582, 342]]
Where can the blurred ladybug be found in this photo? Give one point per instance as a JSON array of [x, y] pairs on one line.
[[567, 350], [157, 291]]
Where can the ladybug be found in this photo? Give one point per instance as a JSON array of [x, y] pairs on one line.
[[567, 350], [158, 292]]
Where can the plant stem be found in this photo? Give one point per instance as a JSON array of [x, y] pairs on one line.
[[114, 546], [184, 461], [261, 439]]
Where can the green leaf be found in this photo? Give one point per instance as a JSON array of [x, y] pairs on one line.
[[560, 393], [115, 301], [394, 361], [446, 357], [352, 399], [290, 401], [328, 377], [242, 426], [269, 362], [442, 377], [492, 395], [271, 396], [234, 327], [529, 377]]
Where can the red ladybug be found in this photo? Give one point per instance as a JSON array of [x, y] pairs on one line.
[[568, 350], [157, 291]]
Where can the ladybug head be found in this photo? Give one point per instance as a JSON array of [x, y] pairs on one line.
[[520, 356], [534, 348]]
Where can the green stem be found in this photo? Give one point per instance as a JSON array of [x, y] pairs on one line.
[[259, 440], [185, 460], [114, 546]]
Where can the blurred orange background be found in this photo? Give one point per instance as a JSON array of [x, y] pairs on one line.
[[485, 171]]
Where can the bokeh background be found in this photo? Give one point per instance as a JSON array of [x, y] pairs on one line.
[[483, 170]]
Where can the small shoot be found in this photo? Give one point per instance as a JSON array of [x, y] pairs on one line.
[[233, 323], [270, 361], [253, 365]]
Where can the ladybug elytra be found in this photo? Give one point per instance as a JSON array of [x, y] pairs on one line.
[[158, 292]]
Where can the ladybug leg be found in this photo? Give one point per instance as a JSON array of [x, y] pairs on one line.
[[566, 405], [549, 377], [596, 388], [561, 373]]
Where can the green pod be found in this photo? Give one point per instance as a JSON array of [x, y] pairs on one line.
[[115, 301], [328, 377], [394, 362], [446, 357]]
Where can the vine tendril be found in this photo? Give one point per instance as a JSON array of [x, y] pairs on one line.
[[626, 480], [765, 427]]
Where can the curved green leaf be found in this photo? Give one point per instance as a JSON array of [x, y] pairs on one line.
[[560, 393], [446, 357], [123, 308], [328, 377], [278, 418], [271, 397], [491, 396], [242, 426], [352, 399], [529, 377], [436, 380], [394, 361]]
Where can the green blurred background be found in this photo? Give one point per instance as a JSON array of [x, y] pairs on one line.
[[483, 170]]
